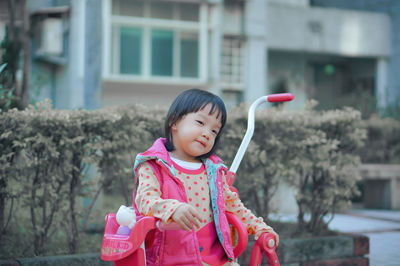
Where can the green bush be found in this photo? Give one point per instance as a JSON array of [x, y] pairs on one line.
[[48, 148], [48, 189], [312, 151], [383, 142], [46, 158]]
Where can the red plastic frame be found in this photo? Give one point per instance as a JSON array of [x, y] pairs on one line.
[[127, 250]]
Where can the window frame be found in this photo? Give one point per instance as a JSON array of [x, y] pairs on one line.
[[227, 84], [147, 24]]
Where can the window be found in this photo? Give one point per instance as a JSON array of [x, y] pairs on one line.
[[155, 39], [189, 55], [232, 68], [130, 50], [161, 52]]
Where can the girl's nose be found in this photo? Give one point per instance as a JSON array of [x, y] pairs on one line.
[[206, 134]]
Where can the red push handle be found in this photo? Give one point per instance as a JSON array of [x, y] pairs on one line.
[[265, 244], [280, 97]]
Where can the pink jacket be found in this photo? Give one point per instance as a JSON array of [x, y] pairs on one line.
[[182, 247]]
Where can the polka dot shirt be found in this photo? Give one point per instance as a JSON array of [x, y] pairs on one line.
[[149, 201]]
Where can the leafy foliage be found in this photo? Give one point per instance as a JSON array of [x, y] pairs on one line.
[[46, 159], [383, 142], [315, 152], [48, 156]]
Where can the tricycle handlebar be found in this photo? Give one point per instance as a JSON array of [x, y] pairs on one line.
[[280, 97]]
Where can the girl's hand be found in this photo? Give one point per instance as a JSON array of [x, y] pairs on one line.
[[185, 215]]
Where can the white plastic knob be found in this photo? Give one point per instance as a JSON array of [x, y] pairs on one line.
[[271, 243], [126, 216]]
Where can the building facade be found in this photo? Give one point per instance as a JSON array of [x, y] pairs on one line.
[[388, 65], [94, 53]]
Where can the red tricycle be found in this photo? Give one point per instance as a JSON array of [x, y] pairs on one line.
[[129, 249]]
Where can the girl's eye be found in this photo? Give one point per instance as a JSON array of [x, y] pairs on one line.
[[215, 132], [199, 122]]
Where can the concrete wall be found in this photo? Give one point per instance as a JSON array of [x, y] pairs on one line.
[[294, 26], [65, 86], [93, 48], [298, 71], [333, 31], [255, 26], [77, 83], [233, 18], [298, 3], [122, 93], [70, 81], [392, 10], [291, 68], [381, 186]]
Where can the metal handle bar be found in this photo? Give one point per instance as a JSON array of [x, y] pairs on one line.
[[281, 97]]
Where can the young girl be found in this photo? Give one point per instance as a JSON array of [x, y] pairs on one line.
[[181, 180]]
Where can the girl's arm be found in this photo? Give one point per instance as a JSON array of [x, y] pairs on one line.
[[254, 225], [148, 196]]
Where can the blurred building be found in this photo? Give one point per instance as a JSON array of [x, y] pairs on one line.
[[387, 69], [93, 53]]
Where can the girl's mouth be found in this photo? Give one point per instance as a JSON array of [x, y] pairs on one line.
[[201, 142]]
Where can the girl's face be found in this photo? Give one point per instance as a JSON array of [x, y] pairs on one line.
[[194, 134]]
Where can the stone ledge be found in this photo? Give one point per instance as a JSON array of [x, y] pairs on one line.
[[348, 248], [62, 260], [9, 263], [295, 250], [355, 261], [319, 251]]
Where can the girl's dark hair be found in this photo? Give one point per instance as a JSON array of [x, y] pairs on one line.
[[191, 101]]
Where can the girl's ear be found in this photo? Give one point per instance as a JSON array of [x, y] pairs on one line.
[[170, 124]]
